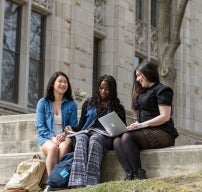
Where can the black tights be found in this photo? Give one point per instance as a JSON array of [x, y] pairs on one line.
[[127, 148]]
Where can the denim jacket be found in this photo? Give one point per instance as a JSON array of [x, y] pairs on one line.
[[45, 118], [89, 114]]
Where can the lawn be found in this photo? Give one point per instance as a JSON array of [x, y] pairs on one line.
[[185, 183]]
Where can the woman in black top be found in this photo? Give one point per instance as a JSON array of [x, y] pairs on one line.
[[152, 101]]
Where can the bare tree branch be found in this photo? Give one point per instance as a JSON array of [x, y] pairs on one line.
[[169, 38], [175, 34], [163, 26]]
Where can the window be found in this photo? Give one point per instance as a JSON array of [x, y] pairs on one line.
[[23, 62], [139, 9], [154, 13], [36, 59], [96, 60], [11, 44], [137, 61]]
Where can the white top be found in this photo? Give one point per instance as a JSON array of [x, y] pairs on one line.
[[58, 123]]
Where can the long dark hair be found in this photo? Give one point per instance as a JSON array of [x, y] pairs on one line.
[[49, 91], [115, 101], [150, 71]]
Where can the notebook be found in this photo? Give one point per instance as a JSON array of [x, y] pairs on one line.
[[72, 133], [114, 125]]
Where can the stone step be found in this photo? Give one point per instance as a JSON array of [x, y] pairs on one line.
[[171, 161], [18, 146], [18, 143], [10, 161], [18, 133]]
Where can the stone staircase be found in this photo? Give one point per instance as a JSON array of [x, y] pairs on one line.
[[18, 143]]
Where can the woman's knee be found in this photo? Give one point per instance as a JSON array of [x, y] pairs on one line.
[[96, 141], [67, 142], [66, 145], [48, 147], [82, 141], [96, 138], [126, 137], [117, 142], [82, 137]]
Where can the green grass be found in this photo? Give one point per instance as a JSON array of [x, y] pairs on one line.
[[186, 183]]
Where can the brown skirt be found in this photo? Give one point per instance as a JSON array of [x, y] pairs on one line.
[[158, 138]]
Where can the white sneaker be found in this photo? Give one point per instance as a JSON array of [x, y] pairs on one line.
[[46, 189]]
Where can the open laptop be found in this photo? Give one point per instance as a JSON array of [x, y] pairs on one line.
[[113, 124]]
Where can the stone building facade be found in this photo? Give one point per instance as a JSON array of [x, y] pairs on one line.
[[89, 38]]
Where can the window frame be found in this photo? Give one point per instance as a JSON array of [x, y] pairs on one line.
[[16, 53], [41, 61], [154, 13]]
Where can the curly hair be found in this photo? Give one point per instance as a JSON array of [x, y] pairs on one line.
[[114, 100]]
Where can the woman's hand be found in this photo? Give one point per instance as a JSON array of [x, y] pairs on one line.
[[54, 139], [138, 125], [68, 130], [133, 125], [58, 139], [105, 132]]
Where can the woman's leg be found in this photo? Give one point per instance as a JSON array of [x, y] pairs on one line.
[[51, 150], [120, 153], [65, 147], [127, 148], [78, 170], [132, 143], [95, 155]]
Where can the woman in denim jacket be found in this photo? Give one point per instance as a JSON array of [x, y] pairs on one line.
[[54, 112]]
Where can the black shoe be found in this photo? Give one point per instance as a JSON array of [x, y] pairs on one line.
[[135, 177], [141, 174], [129, 176]]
